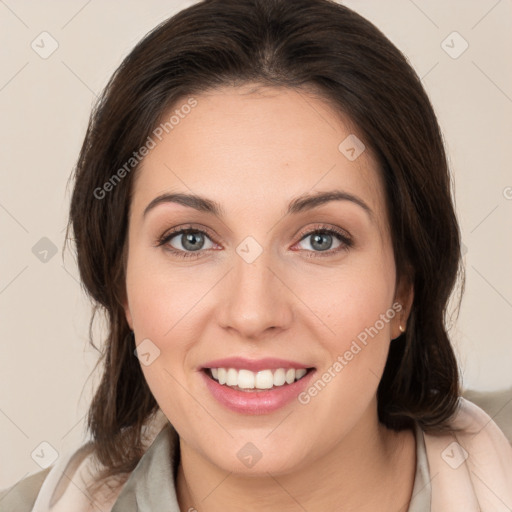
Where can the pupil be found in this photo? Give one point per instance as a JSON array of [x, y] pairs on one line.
[[318, 238], [191, 238]]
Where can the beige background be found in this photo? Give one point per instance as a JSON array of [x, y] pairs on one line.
[[45, 104]]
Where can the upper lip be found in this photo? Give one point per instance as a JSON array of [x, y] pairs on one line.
[[255, 365]]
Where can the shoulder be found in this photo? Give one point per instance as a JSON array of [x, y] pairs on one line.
[[73, 483], [497, 404], [478, 432], [42, 491], [471, 465], [21, 496]]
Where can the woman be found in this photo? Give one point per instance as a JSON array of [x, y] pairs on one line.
[[262, 207]]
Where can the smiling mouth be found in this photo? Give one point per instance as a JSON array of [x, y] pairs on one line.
[[264, 380]]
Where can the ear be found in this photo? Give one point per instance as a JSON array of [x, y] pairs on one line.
[[405, 297]]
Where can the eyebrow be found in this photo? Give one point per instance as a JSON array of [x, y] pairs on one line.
[[297, 205]]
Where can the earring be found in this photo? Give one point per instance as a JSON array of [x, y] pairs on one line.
[[402, 329]]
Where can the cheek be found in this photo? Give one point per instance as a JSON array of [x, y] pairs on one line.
[[366, 312], [162, 298], [165, 306], [356, 301], [358, 308]]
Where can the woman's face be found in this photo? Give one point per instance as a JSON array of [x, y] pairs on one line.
[[255, 283]]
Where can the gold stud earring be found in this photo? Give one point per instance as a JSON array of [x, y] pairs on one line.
[[402, 329]]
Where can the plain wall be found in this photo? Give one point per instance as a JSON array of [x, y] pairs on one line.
[[45, 104]]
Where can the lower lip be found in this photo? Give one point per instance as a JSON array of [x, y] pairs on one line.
[[256, 402]]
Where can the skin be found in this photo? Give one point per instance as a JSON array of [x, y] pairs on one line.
[[252, 151]]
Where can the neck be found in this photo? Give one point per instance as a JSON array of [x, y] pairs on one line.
[[370, 469]]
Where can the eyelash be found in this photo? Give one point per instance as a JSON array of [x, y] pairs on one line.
[[345, 240]]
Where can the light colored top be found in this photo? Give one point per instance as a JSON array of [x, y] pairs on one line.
[[468, 471]]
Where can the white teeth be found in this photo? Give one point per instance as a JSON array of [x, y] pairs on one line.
[[232, 377], [245, 379], [279, 377], [300, 373], [264, 379]]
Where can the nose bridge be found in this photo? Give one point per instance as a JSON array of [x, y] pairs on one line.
[[256, 299]]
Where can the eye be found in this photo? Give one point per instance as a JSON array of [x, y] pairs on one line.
[[322, 239], [189, 242], [185, 242]]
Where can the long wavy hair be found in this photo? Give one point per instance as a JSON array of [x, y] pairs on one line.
[[316, 45]]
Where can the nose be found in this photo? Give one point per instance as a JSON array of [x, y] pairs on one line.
[[254, 299]]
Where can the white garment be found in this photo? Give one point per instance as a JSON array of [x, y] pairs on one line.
[[469, 471]]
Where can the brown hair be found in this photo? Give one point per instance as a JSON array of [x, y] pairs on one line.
[[315, 44]]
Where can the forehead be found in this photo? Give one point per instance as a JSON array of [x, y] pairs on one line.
[[251, 148]]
